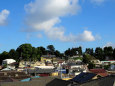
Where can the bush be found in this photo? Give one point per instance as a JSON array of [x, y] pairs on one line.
[[91, 65], [106, 67]]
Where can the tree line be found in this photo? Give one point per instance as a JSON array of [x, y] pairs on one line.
[[28, 52], [105, 53]]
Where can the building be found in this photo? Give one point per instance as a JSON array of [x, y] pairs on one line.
[[42, 81], [12, 76], [103, 81], [101, 72], [96, 62], [23, 64], [8, 63], [108, 62], [77, 68], [47, 58], [40, 72], [83, 77]]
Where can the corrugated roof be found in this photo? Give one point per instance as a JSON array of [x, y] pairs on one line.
[[101, 72]]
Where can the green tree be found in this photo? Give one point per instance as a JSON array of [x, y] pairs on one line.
[[80, 50], [25, 50], [13, 54], [87, 58], [99, 53], [57, 53], [51, 49], [114, 54], [43, 50], [108, 52], [39, 53], [4, 55], [91, 65], [68, 52], [89, 51], [33, 56]]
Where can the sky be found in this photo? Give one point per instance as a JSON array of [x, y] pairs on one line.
[[62, 23]]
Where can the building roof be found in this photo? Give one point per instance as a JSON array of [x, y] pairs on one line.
[[104, 81], [48, 56], [101, 72], [10, 76], [83, 77], [42, 81], [9, 61], [40, 70], [58, 82]]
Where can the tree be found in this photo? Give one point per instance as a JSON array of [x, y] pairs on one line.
[[39, 53], [87, 58], [3, 55], [108, 52], [68, 52], [89, 51], [91, 65], [57, 53], [51, 49], [80, 50], [25, 50], [114, 54], [43, 50], [99, 53], [34, 54], [13, 54]]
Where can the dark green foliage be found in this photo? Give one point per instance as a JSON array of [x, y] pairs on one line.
[[43, 50], [74, 51], [87, 58], [108, 52], [114, 54], [106, 67], [3, 55], [25, 50], [91, 65], [51, 49], [89, 51], [13, 54], [57, 53], [99, 53]]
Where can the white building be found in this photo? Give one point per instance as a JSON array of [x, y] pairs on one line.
[[8, 63]]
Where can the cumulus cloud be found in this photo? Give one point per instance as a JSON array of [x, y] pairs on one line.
[[98, 2], [3, 16], [110, 44], [44, 15], [86, 36]]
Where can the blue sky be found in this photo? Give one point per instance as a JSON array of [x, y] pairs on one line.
[[63, 23]]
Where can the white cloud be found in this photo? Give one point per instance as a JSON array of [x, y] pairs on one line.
[[3, 16], [44, 15], [98, 2], [86, 36], [110, 44]]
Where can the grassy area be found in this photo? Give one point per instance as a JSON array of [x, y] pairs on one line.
[[78, 58]]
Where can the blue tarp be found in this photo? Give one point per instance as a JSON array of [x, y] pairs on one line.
[[36, 77], [26, 80]]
